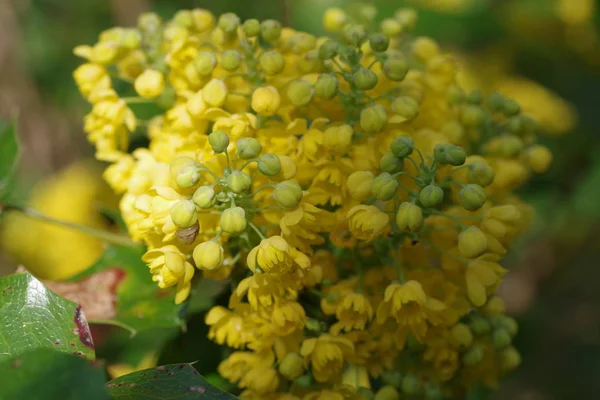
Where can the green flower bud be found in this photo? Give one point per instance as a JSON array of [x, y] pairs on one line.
[[310, 62], [238, 182], [510, 359], [359, 185], [403, 146], [205, 63], [511, 108], [292, 366], [480, 173], [411, 384], [183, 213], [384, 187], [188, 176], [510, 146], [269, 164], [270, 30], [354, 35], [475, 97], [248, 148], [391, 27], [251, 28], [528, 125], [183, 18], [461, 335], [379, 42], [501, 339], [204, 197], [431, 196], [271, 62], [229, 22], [449, 153], [300, 92], [387, 392], [472, 116], [479, 325], [472, 242], [472, 197], [407, 17], [495, 102], [288, 194], [409, 217], [395, 69], [149, 22], [328, 50], [364, 79], [373, 119], [178, 163], [219, 141], [406, 107], [433, 392], [304, 381], [233, 220], [473, 356], [326, 86], [208, 256], [506, 323], [392, 378], [390, 163], [231, 60], [455, 95]]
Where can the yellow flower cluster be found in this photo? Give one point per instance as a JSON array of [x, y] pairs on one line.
[[359, 202]]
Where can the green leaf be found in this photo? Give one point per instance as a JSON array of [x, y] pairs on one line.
[[173, 382], [33, 317], [141, 304], [9, 152], [46, 374]]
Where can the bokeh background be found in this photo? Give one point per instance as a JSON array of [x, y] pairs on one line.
[[545, 53]]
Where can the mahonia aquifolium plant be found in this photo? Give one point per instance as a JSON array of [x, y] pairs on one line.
[[357, 200]]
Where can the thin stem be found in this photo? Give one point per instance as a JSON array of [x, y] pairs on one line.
[[136, 100], [450, 217], [109, 237], [260, 234]]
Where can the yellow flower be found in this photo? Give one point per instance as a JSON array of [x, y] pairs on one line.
[[326, 355], [353, 312], [287, 318], [274, 255], [208, 255], [367, 222], [169, 268], [150, 84], [215, 93], [266, 100], [226, 327], [261, 379], [482, 277]]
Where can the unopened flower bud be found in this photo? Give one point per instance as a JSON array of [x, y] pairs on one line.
[[359, 185], [364, 79], [233, 220], [188, 176], [379, 42], [229, 22], [373, 119], [219, 141], [334, 19], [501, 339], [150, 84], [510, 359], [472, 242], [326, 86], [406, 107], [424, 49], [455, 95], [409, 217], [475, 97], [270, 30], [238, 182], [328, 50], [205, 63], [411, 384], [354, 35], [288, 194], [384, 187], [390, 163], [511, 108], [214, 93], [266, 100], [407, 17], [538, 158], [480, 173], [395, 69], [472, 116], [269, 164], [231, 60], [449, 153], [183, 213], [310, 62], [292, 366], [479, 326], [208, 256], [300, 92], [433, 392], [431, 196], [473, 356], [391, 27], [387, 392], [403, 146], [204, 197], [248, 148], [495, 102], [251, 28], [461, 336], [178, 163], [271, 62], [472, 197]]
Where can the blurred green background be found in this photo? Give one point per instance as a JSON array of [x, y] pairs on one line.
[[554, 285]]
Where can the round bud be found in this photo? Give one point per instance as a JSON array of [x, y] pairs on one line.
[[229, 22], [424, 49], [266, 100], [509, 146], [480, 173], [384, 187], [233, 220], [188, 176], [205, 63], [271, 62], [495, 102], [149, 84], [300, 92], [208, 256], [326, 86], [204, 197], [479, 325], [270, 30], [409, 217], [178, 163], [238, 182], [407, 17], [433, 392], [390, 163], [248, 148], [288, 194], [472, 242], [231, 60], [431, 196], [149, 22], [395, 69], [501, 339], [387, 392], [511, 108], [251, 28], [473, 356], [379, 42], [406, 107], [338, 139], [292, 366], [538, 158], [354, 35], [510, 359], [214, 93], [219, 141], [334, 19], [390, 27], [472, 116], [403, 146], [461, 336], [373, 119], [183, 214], [359, 185], [364, 79], [449, 153], [411, 384], [472, 197], [475, 97], [269, 164], [310, 62], [455, 95], [184, 19], [328, 50]]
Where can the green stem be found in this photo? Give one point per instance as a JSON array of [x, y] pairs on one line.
[[260, 234], [136, 100]]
